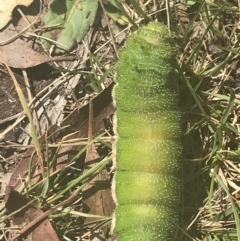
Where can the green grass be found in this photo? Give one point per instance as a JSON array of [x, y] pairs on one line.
[[208, 64]]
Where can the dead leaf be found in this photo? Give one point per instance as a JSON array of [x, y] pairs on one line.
[[234, 65], [6, 8], [238, 71], [18, 53], [21, 170], [28, 213], [96, 196], [78, 121], [181, 13]]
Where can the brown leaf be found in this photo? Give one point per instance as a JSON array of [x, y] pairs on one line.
[[238, 71], [21, 170], [6, 8], [96, 196], [42, 230], [181, 13], [18, 54], [78, 121]]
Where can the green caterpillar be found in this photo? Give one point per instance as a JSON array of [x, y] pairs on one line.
[[146, 185]]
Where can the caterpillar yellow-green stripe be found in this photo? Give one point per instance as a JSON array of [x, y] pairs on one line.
[[146, 185]]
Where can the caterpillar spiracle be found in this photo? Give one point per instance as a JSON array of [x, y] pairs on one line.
[[147, 181]]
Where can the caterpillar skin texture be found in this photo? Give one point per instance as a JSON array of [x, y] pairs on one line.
[[146, 185]]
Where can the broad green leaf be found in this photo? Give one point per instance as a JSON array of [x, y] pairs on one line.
[[68, 22]]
